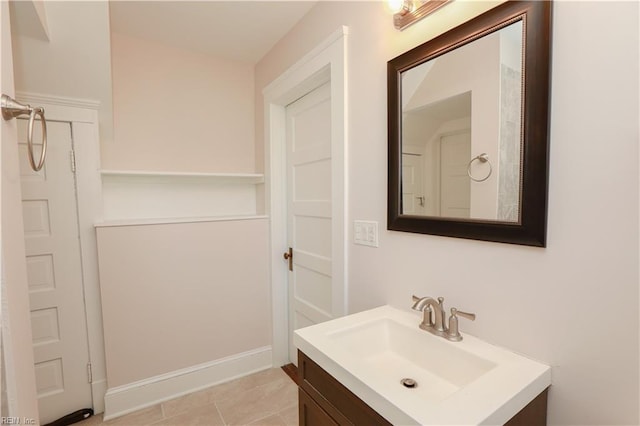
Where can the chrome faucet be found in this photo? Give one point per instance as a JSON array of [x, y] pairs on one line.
[[434, 316]]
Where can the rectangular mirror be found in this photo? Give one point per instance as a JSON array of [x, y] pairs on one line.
[[468, 118]]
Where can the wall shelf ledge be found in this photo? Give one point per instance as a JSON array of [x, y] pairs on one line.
[[244, 177], [173, 221]]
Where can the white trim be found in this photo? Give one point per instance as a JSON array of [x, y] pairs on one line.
[[39, 98], [274, 86], [251, 177], [134, 396], [83, 116], [99, 387], [327, 62], [172, 221]]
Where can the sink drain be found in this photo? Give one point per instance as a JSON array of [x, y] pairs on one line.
[[409, 383]]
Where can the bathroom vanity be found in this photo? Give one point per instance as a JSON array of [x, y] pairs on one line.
[[325, 401], [351, 371]]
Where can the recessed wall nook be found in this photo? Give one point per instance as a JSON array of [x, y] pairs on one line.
[[138, 197]]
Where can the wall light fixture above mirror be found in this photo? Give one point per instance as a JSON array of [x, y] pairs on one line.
[[407, 12], [468, 129]]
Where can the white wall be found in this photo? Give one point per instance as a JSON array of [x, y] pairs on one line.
[[573, 305], [472, 68], [176, 110]]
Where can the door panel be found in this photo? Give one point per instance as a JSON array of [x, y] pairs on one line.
[[455, 186], [311, 233], [54, 275], [312, 285], [309, 210], [313, 176], [413, 198]]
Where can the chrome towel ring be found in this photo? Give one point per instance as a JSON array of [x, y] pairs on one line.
[[482, 158], [12, 109]]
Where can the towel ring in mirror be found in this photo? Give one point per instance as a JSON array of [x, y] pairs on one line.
[[482, 158]]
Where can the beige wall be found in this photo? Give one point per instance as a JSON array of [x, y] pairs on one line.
[[75, 62], [170, 292], [198, 110], [573, 305], [176, 110], [178, 295]]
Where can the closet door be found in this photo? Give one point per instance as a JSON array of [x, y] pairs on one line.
[[54, 274]]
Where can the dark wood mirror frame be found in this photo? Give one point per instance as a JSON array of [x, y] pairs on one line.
[[531, 229]]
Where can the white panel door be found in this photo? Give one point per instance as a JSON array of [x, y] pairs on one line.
[[413, 198], [455, 186], [54, 275], [309, 210]]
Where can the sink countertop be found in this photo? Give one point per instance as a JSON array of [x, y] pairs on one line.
[[459, 383]]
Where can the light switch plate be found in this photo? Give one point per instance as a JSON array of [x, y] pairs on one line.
[[365, 233]]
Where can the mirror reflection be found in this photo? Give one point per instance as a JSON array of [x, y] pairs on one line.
[[461, 131]]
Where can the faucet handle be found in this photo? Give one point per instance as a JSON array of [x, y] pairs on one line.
[[453, 333], [466, 315], [416, 306]]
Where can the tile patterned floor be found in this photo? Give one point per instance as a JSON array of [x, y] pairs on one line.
[[267, 398]]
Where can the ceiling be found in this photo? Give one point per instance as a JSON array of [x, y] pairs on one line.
[[238, 30]]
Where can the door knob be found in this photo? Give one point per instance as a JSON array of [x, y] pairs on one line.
[[288, 255]]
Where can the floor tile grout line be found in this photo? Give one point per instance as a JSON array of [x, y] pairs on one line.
[[277, 413], [224, 422]]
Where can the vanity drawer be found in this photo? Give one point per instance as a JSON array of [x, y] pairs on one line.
[[343, 406], [311, 414]]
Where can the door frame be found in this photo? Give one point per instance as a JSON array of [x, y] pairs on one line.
[[83, 116], [326, 62], [16, 345]]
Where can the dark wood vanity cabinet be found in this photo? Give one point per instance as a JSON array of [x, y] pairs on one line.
[[325, 401]]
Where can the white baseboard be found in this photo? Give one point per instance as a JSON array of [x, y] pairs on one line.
[[131, 397]]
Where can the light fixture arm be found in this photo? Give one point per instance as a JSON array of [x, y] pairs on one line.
[[410, 14]]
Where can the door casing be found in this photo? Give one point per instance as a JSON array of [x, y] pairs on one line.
[[83, 116], [326, 62]]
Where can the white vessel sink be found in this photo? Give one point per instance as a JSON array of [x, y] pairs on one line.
[[458, 383]]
